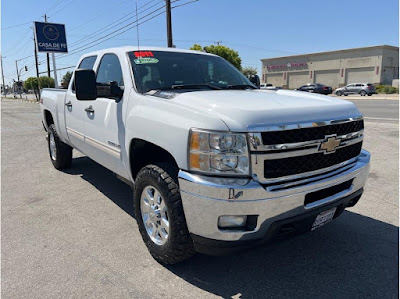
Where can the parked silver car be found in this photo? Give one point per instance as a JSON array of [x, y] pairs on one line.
[[356, 88]]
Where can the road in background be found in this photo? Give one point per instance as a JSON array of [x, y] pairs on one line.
[[378, 110], [72, 234]]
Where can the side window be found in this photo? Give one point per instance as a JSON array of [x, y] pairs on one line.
[[110, 70], [359, 84], [86, 63]]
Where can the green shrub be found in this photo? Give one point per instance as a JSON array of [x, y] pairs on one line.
[[387, 89]]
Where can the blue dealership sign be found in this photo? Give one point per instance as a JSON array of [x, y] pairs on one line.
[[50, 37]]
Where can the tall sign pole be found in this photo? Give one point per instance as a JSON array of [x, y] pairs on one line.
[[169, 23], [54, 70], [47, 54]]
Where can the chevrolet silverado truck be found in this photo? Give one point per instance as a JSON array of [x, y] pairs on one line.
[[216, 164]]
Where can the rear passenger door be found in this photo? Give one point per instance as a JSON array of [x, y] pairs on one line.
[[75, 110], [104, 127], [358, 87]]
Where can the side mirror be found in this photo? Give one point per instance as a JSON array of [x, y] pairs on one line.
[[109, 90], [85, 85], [255, 80]]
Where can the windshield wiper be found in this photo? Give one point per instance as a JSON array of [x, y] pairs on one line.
[[194, 86], [241, 86]]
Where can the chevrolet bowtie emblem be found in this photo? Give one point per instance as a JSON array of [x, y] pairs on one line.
[[330, 144]]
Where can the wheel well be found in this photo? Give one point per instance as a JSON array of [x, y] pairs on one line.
[[142, 153], [48, 117]]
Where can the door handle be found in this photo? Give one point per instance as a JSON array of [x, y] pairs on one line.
[[69, 104], [89, 109]]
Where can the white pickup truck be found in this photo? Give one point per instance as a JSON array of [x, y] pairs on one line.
[[215, 164]]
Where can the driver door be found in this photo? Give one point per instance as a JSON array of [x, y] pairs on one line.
[[75, 110], [104, 126]]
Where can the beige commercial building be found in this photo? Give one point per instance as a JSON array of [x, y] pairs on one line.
[[378, 65]]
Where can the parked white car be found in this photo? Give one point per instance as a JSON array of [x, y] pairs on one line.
[[268, 86], [215, 164]]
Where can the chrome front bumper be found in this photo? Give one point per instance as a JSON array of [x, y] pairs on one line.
[[206, 198]]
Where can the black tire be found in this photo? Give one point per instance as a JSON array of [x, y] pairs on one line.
[[63, 154], [370, 94], [179, 244], [339, 93], [363, 93]]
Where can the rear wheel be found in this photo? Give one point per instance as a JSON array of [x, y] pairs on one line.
[[159, 214], [363, 93], [370, 94], [60, 153]]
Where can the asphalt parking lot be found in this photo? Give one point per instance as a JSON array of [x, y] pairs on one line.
[[72, 234]]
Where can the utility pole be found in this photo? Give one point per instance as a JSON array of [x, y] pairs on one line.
[[47, 54], [36, 62], [169, 23], [2, 76]]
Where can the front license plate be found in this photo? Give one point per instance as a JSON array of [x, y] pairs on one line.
[[323, 218]]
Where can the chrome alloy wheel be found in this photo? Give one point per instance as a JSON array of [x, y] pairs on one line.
[[154, 215], [52, 145]]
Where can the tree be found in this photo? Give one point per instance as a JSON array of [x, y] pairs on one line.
[[249, 71], [46, 82], [227, 53], [66, 79], [32, 83], [197, 47]]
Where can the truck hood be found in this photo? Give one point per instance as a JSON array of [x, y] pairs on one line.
[[240, 109]]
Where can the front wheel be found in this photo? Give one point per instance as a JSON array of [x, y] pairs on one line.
[[159, 214], [339, 93], [60, 153]]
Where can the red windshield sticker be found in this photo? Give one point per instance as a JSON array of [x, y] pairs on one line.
[[144, 54]]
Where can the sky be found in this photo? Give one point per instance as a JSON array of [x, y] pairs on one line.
[[255, 28]]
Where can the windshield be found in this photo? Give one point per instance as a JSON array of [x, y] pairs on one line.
[[159, 70]]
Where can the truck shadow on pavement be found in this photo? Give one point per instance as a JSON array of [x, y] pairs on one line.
[[104, 181], [353, 256]]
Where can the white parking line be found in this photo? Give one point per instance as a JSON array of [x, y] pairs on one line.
[[382, 118]]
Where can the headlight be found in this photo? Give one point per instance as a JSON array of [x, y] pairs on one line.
[[213, 152]]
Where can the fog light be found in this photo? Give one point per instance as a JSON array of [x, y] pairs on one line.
[[232, 221]]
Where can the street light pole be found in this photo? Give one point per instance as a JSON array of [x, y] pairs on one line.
[[19, 89], [169, 23]]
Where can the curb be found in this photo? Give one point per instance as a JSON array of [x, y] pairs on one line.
[[20, 100]]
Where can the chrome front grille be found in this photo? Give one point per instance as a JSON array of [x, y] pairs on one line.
[[275, 168], [297, 151]]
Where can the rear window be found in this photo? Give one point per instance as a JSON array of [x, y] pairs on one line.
[[369, 84], [86, 63]]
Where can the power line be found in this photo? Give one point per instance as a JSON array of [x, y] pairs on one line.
[[53, 14], [92, 45], [14, 26], [56, 2], [119, 29], [119, 22], [183, 3]]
